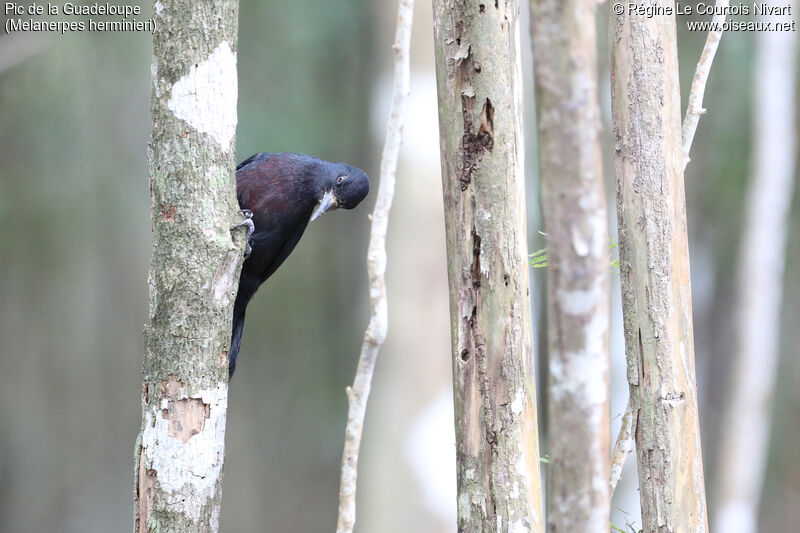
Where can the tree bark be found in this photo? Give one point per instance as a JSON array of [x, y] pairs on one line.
[[654, 266], [747, 418], [195, 267], [575, 217], [480, 106]]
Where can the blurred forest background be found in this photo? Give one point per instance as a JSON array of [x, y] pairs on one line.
[[313, 77]]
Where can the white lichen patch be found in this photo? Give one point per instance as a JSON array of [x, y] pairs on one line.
[[192, 466], [595, 333], [577, 377], [215, 518], [579, 374], [522, 461], [580, 243], [159, 7], [518, 526], [578, 302], [463, 504], [154, 75], [518, 403], [599, 234], [217, 177], [205, 98], [590, 236]]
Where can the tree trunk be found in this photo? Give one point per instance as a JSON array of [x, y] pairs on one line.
[[575, 217], [654, 266], [746, 422], [480, 107], [195, 268]]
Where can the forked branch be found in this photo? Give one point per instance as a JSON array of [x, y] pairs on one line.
[[695, 107], [623, 447]]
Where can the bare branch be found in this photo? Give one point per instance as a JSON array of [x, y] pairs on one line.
[[695, 107], [623, 446], [375, 334]]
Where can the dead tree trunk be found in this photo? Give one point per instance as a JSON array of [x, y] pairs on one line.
[[195, 268], [574, 205], [480, 107], [654, 266]]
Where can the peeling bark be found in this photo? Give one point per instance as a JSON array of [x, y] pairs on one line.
[[578, 306], [195, 268], [654, 267], [480, 106]]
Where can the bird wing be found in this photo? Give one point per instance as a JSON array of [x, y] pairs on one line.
[[271, 247], [251, 159]]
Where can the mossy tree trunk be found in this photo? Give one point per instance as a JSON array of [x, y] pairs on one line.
[[654, 266], [195, 267], [575, 216], [480, 107]]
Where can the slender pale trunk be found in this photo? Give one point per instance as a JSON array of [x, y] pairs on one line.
[[654, 266], [195, 268], [574, 205], [480, 107], [745, 433], [378, 326]]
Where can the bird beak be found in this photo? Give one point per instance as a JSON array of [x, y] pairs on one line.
[[327, 203]]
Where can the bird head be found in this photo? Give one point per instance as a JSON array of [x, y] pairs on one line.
[[344, 186]]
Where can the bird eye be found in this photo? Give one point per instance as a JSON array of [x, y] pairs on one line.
[[340, 179]]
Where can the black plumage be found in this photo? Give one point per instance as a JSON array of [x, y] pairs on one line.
[[285, 192]]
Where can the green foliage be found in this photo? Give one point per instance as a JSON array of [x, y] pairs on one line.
[[628, 524], [613, 245], [538, 259]]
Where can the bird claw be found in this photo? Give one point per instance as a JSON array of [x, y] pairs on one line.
[[248, 223]]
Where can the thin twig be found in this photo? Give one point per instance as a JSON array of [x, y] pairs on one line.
[[695, 107], [623, 447], [375, 334]]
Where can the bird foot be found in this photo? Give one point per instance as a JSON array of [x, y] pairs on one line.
[[247, 223]]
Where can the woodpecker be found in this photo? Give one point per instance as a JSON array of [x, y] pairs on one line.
[[279, 194]]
